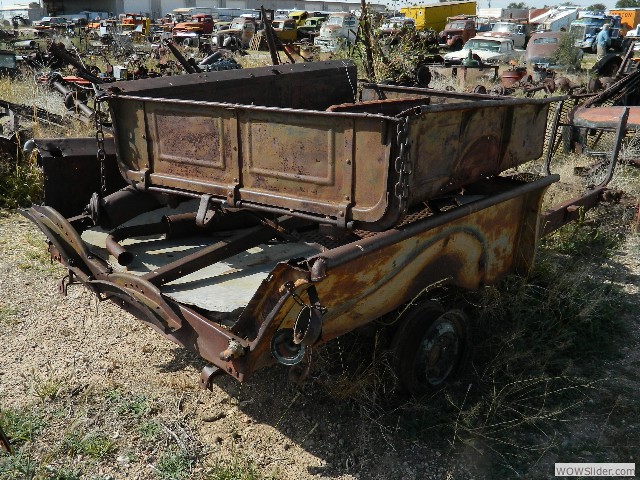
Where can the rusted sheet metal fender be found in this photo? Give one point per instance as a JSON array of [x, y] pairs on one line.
[[68, 247], [476, 245], [473, 245]]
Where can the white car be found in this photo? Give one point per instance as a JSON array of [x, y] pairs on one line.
[[515, 31], [489, 50]]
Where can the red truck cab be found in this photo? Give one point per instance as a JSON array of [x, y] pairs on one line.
[[458, 30], [200, 24]]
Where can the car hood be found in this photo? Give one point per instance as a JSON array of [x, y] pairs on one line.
[[485, 55], [497, 34]]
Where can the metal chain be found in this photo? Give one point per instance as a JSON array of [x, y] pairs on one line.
[[402, 165], [101, 154], [353, 90], [321, 308]]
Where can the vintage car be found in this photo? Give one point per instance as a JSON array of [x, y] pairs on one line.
[[286, 29], [311, 28], [50, 22], [241, 30], [457, 32], [516, 31], [484, 49], [395, 25], [199, 24], [543, 47]]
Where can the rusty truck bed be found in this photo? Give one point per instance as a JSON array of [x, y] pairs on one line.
[[253, 215], [241, 311], [292, 141]]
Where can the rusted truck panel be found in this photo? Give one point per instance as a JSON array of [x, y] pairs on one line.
[[492, 231], [340, 163], [254, 232]]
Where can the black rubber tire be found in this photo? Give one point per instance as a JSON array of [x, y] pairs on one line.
[[457, 46], [430, 347], [422, 76]]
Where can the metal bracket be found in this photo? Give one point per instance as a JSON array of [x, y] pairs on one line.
[[206, 376], [64, 282], [144, 178], [232, 195], [205, 214], [343, 214]]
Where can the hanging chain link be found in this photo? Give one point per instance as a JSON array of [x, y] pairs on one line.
[[402, 164], [101, 154], [320, 308]]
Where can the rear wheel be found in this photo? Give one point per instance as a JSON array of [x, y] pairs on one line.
[[429, 347]]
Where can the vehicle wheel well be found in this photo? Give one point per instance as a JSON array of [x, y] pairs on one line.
[[430, 345]]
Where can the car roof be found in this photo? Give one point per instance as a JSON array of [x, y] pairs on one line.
[[492, 39], [548, 34]]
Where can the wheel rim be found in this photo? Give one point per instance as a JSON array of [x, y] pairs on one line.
[[439, 352]]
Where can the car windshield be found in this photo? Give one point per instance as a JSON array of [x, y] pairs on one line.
[[593, 21], [487, 45], [395, 25], [504, 27], [237, 25], [456, 26], [545, 40], [335, 21]]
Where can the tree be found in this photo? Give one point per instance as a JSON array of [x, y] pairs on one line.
[[597, 7], [627, 3], [519, 5]]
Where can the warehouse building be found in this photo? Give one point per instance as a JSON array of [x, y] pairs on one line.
[[31, 11], [158, 8]]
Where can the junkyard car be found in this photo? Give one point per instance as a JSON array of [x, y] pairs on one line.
[[543, 47], [488, 50], [518, 32]]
